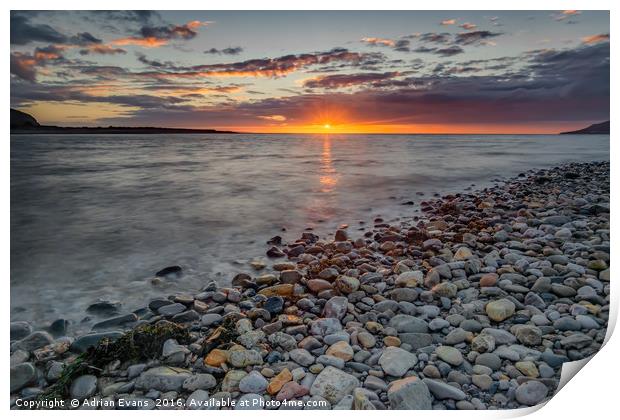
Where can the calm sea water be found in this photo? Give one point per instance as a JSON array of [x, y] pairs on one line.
[[96, 216]]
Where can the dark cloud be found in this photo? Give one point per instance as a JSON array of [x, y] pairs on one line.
[[24, 32], [468, 38], [449, 51], [23, 67], [345, 80], [435, 38], [402, 45], [549, 86], [102, 50], [142, 17], [61, 93], [424, 49], [103, 73], [168, 32], [156, 36], [270, 67], [226, 51], [154, 63], [84, 39]]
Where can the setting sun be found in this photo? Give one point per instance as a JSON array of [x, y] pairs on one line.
[[327, 126]]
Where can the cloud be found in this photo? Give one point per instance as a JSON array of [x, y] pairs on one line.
[[378, 41], [277, 118], [102, 49], [154, 63], [149, 42], [225, 51], [157, 36], [267, 67], [565, 14], [169, 32], [402, 45], [346, 80], [448, 22], [468, 26], [546, 86], [84, 39], [468, 38], [49, 53], [62, 93], [24, 32], [449, 51], [23, 66], [435, 38], [142, 17], [595, 39], [424, 49]]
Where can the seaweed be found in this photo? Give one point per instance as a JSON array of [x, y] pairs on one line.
[[223, 335], [142, 343]]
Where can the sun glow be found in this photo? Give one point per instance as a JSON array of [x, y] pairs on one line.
[[327, 126]]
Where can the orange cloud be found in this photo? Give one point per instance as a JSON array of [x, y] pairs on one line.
[[43, 55], [448, 22], [468, 26], [595, 39], [565, 14], [148, 42], [379, 41], [278, 118], [194, 24]]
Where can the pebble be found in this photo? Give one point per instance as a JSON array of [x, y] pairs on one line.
[[163, 378], [21, 375], [34, 341], [409, 394], [396, 362], [253, 383], [333, 384], [199, 381], [341, 350], [500, 310], [83, 387], [449, 355], [442, 390], [531, 393]]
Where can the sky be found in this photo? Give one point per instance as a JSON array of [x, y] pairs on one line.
[[320, 71]]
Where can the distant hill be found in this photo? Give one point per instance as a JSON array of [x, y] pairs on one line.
[[22, 120], [600, 128], [25, 123]]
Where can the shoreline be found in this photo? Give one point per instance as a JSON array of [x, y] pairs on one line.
[[351, 322]]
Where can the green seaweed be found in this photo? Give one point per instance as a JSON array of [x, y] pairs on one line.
[[223, 336], [142, 343]]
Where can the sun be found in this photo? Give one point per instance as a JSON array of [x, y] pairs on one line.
[[327, 126]]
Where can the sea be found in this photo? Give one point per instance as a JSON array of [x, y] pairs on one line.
[[94, 217]]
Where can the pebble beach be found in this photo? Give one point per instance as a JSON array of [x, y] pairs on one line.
[[474, 303]]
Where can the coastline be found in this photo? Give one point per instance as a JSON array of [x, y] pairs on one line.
[[346, 322]]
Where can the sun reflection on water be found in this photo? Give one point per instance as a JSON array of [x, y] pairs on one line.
[[329, 176]]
